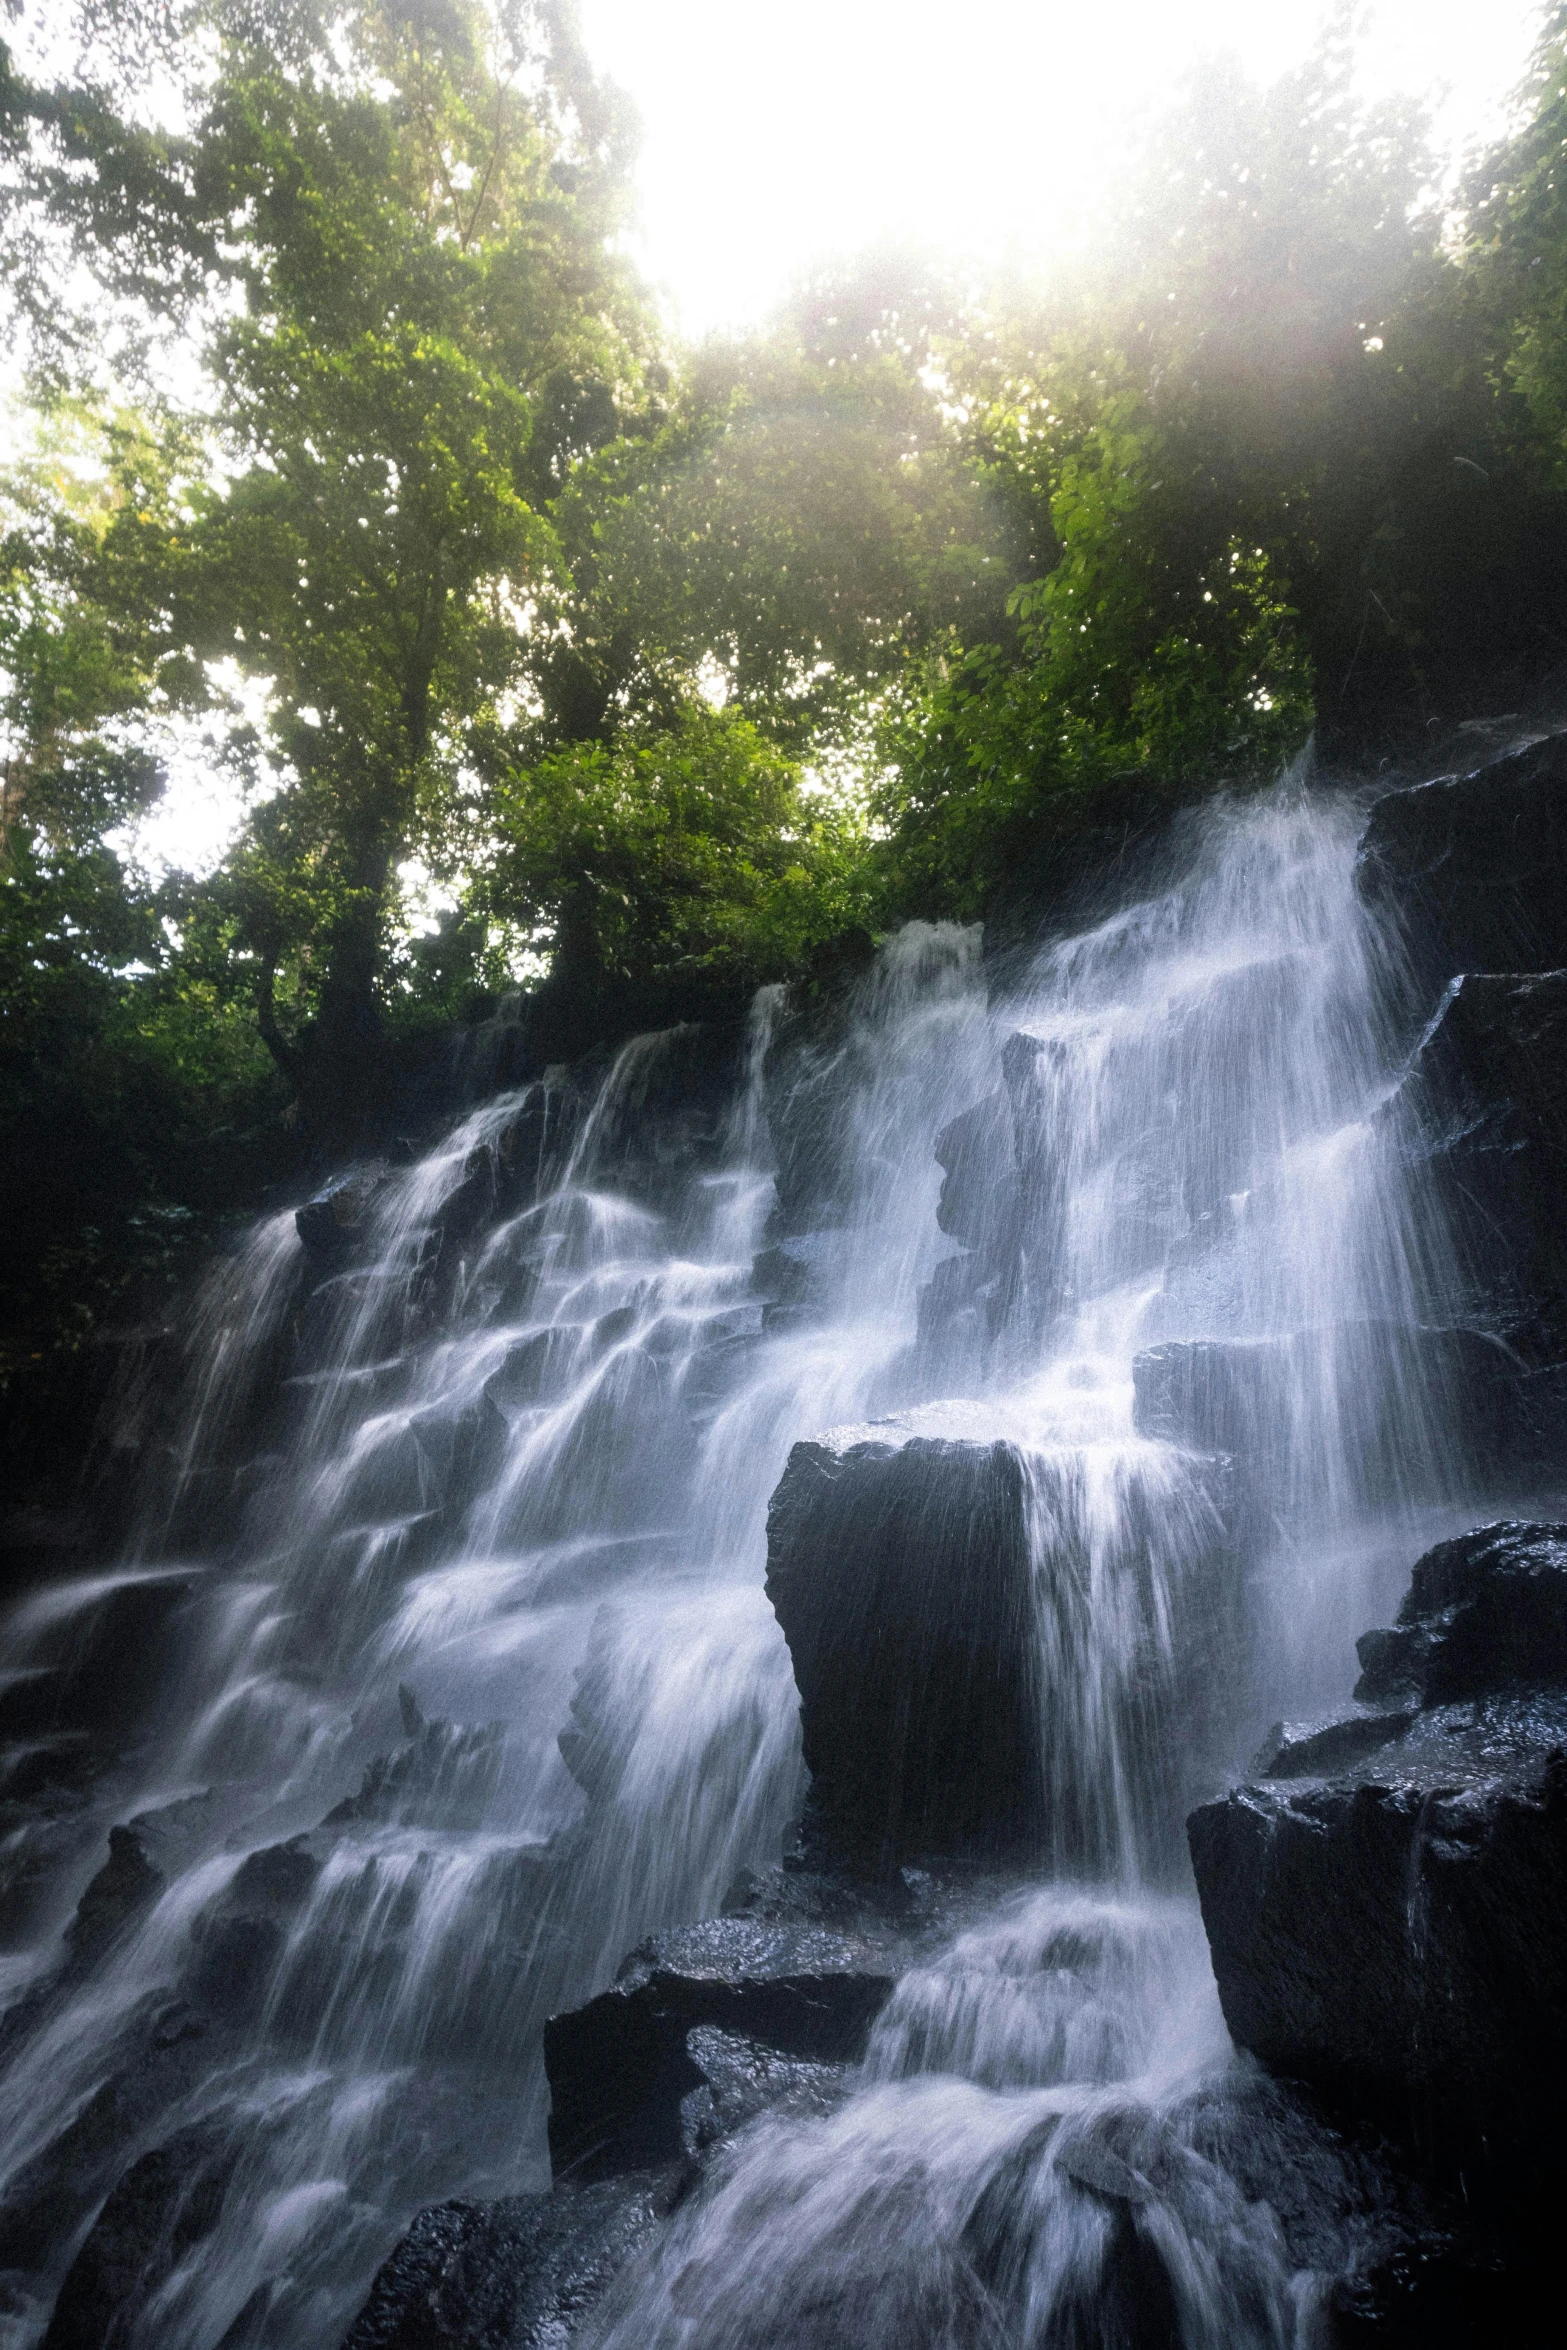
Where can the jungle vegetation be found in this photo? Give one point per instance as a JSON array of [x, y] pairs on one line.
[[351, 459]]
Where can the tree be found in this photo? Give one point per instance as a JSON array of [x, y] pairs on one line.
[[414, 205]]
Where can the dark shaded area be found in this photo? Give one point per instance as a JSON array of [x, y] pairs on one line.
[[626, 2086], [1389, 1928], [516, 2274], [1472, 868], [901, 1577]]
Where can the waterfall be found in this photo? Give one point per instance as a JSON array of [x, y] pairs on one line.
[[473, 1682]]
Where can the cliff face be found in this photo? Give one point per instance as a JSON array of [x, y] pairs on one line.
[[1017, 1665]]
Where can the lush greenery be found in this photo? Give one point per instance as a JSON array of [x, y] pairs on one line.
[[355, 462]]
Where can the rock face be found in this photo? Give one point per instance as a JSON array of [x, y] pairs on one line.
[[1474, 867], [1485, 1106], [516, 2274], [1003, 1197], [1485, 1613], [159, 2212], [1455, 1409], [709, 2025], [761, 2010], [1385, 1914], [902, 1580]]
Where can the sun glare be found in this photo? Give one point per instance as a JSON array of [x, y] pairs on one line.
[[774, 137]]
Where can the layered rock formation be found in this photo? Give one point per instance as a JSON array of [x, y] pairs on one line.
[[1384, 1906]]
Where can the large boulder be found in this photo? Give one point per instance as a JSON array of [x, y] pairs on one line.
[[1384, 1909], [901, 1575], [1473, 868], [763, 2010], [982, 1675], [711, 2021]]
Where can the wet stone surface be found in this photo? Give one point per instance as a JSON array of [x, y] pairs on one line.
[[1384, 1909]]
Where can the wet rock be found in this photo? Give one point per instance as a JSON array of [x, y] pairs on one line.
[[1484, 1108], [165, 2049], [741, 2078], [124, 1889], [978, 1203], [444, 1774], [529, 1151], [1446, 1407], [1388, 1930], [1485, 1613], [795, 1279], [1003, 1196], [1308, 1750], [1031, 1068], [901, 1577], [702, 2028], [518, 2274], [239, 1939], [97, 1665], [1146, 2225], [1474, 867], [334, 1224], [1395, 1943], [154, 2218]]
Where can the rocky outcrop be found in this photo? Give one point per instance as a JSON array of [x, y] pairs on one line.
[[1484, 1111], [711, 2024], [1448, 1410], [1485, 1613], [762, 2010], [161, 2209], [517, 2274], [902, 1579], [1003, 1197], [1473, 868], [1384, 1907]]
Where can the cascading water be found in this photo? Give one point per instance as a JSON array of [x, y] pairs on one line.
[[478, 1684]]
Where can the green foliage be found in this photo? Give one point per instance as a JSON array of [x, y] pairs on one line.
[[682, 856], [1518, 239], [576, 623]]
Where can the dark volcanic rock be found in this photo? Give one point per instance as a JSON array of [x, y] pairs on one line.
[[703, 2028], [517, 2274], [1485, 1613], [1388, 1926], [1485, 1107], [239, 1939], [1397, 1943], [974, 1153], [1313, 1750], [1003, 1196], [1445, 1407], [1474, 867], [901, 1577], [125, 1886], [161, 2209], [164, 2051], [759, 2011], [334, 1224]]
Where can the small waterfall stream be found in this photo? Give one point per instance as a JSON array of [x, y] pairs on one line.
[[474, 1683]]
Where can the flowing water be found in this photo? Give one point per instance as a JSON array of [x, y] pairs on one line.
[[471, 1681]]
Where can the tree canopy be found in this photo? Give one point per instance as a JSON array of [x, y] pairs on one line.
[[358, 457]]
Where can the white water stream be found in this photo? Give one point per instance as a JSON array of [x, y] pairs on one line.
[[539, 1506]]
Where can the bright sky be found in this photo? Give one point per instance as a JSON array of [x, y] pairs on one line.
[[774, 135]]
